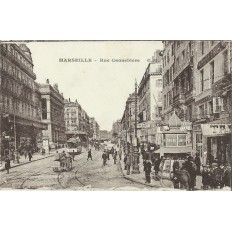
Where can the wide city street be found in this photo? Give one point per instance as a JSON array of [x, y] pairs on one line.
[[89, 175]]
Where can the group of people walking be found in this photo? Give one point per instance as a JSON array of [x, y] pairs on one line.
[[115, 154], [214, 177]]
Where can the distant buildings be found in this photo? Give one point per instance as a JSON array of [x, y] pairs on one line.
[[104, 135], [78, 123], [150, 100], [53, 113]]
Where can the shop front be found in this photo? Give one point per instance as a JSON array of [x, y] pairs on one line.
[[217, 139]]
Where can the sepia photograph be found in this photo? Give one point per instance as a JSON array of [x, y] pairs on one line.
[[116, 115]]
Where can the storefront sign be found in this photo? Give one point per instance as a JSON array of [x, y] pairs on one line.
[[215, 129]]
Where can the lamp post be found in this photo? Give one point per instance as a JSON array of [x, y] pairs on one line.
[[136, 153]]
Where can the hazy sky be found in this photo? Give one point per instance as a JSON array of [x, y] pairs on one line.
[[100, 88]]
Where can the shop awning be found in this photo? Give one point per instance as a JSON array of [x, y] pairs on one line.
[[174, 150]]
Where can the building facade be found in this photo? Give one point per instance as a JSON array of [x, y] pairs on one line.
[[150, 100], [128, 121], [53, 113], [212, 122], [197, 87], [20, 98], [78, 123]]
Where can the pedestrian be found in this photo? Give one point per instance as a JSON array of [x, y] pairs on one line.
[[25, 153], [73, 155], [115, 157], [198, 163], [125, 159], [192, 170], [148, 171], [157, 167], [104, 157], [216, 176], [227, 176], [144, 164], [206, 177], [176, 165], [43, 151], [128, 164], [89, 155], [184, 177], [120, 154], [7, 164], [29, 155]]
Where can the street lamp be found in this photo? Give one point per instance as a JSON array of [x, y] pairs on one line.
[[136, 153]]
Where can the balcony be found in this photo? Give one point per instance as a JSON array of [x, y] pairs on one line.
[[189, 95], [182, 65], [17, 62], [222, 85], [179, 99]]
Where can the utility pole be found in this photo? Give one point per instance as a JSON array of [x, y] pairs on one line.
[[136, 153]]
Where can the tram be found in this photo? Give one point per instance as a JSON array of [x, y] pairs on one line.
[[74, 146]]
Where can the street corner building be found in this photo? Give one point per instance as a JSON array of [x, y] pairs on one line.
[[20, 99], [52, 102]]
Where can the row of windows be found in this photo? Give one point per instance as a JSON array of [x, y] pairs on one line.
[[20, 108], [15, 88], [17, 55], [205, 45], [168, 76], [168, 99], [16, 72]]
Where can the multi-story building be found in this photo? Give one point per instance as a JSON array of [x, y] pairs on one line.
[[150, 100], [78, 123], [178, 82], [95, 128], [19, 97], [72, 117], [116, 131], [53, 113], [128, 120], [212, 121], [197, 87]]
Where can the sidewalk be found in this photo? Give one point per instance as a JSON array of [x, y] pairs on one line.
[[163, 183], [36, 156], [140, 178]]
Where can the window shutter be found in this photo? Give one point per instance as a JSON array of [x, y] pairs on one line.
[[216, 105]]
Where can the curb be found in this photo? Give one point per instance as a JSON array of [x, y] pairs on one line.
[[20, 164], [138, 182]]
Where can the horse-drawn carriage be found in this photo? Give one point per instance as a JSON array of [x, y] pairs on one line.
[[65, 163]]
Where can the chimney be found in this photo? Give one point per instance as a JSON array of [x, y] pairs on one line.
[[47, 81], [69, 99]]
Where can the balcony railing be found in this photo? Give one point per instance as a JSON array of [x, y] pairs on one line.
[[180, 98], [15, 60]]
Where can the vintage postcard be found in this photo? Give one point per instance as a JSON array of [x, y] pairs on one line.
[[116, 115]]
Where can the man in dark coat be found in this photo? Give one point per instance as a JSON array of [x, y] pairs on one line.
[[89, 155], [7, 164], [227, 176], [29, 155], [198, 163], [206, 177], [192, 170], [115, 156], [104, 157], [125, 159], [148, 171]]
